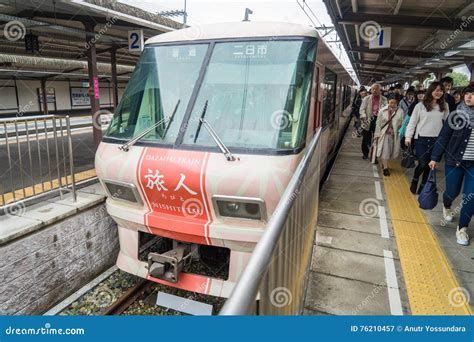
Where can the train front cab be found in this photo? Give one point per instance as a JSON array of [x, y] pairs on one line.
[[201, 147]]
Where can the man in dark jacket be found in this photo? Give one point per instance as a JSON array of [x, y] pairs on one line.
[[355, 109], [448, 84]]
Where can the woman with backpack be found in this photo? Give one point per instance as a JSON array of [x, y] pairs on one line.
[[457, 140], [425, 124]]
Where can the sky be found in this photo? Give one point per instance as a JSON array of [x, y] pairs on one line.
[[203, 12]]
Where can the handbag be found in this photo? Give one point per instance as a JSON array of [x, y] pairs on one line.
[[428, 197], [408, 159]]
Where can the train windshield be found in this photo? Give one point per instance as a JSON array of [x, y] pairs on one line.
[[160, 87], [258, 94]]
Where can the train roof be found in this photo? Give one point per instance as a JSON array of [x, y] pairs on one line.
[[245, 29]]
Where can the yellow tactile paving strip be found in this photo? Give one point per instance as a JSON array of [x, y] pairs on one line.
[[431, 285], [47, 185]]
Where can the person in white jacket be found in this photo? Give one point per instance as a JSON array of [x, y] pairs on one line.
[[389, 120], [369, 109], [425, 124]]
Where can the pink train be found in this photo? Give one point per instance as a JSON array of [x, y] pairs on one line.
[[211, 127]]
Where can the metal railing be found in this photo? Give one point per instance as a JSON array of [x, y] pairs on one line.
[[35, 163], [277, 271]]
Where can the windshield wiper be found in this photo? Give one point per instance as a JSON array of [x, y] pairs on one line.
[[171, 119], [126, 147], [229, 156], [204, 110]]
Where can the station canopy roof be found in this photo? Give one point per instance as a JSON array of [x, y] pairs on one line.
[[426, 36], [62, 36]]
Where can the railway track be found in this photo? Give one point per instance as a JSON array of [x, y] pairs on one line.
[[129, 297], [119, 293]]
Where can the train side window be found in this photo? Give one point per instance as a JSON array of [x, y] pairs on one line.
[[329, 97], [346, 97]]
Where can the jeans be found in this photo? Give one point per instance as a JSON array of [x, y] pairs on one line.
[[367, 136], [454, 178]]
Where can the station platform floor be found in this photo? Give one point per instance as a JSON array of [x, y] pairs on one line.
[[377, 253]]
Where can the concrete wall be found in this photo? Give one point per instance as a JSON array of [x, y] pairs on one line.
[[41, 269], [28, 101]]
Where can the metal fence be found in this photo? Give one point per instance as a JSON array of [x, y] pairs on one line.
[[36, 157], [277, 272]]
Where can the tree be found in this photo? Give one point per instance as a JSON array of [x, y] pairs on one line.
[[460, 80]]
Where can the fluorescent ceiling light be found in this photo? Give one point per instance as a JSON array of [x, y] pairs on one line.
[[468, 45], [451, 53]]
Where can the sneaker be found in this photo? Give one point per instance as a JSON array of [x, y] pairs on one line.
[[461, 236], [386, 172], [365, 157], [413, 186], [448, 214]]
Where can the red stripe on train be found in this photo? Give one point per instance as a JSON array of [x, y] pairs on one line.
[[173, 184]]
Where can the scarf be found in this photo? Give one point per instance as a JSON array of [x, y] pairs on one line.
[[466, 111]]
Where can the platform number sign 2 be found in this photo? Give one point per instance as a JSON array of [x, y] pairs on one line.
[[383, 39], [135, 41]]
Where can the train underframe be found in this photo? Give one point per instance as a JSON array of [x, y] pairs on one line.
[[204, 269]]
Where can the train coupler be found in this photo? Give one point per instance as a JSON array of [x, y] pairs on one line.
[[168, 265]]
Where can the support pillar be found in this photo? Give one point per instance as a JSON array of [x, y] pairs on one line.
[[93, 83], [44, 96], [471, 69], [113, 63]]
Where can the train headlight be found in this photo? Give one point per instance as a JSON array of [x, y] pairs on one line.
[[240, 207], [120, 191], [232, 206]]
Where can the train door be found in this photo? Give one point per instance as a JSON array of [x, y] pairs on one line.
[[317, 104]]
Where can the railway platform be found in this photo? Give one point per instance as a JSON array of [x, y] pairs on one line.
[[377, 253]]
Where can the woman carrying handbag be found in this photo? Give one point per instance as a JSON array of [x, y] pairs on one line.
[[425, 124]]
